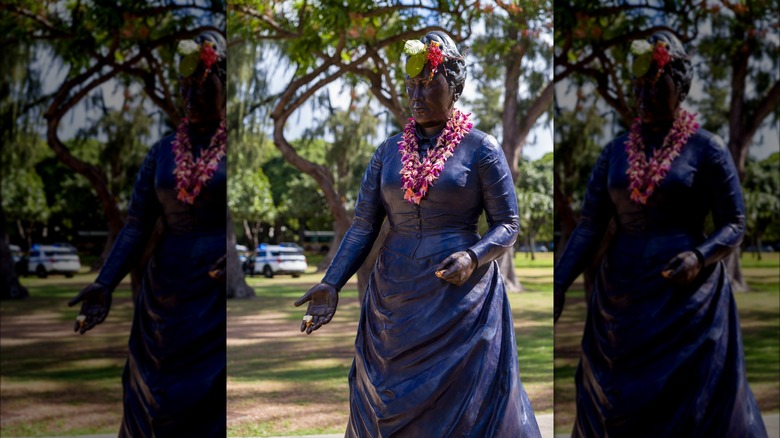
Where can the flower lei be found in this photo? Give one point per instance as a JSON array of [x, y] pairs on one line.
[[645, 53], [417, 175], [191, 175], [419, 54], [644, 176]]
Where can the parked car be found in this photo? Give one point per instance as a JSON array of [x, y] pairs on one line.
[[762, 248], [273, 260], [53, 259], [537, 248], [291, 245]]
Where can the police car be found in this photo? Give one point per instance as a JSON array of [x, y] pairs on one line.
[[273, 260], [53, 259]]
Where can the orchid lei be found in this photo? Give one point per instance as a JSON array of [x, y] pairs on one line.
[[417, 175], [191, 175], [644, 176]]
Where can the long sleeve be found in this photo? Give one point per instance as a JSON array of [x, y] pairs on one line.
[[142, 214], [359, 239], [728, 211], [500, 202], [597, 210]]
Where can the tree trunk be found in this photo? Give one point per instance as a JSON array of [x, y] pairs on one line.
[[9, 283], [236, 282], [734, 270], [506, 265]]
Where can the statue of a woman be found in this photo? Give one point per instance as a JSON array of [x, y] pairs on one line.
[[662, 350], [174, 379], [435, 347]]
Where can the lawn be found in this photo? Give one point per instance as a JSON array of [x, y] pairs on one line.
[[55, 381], [759, 312], [282, 382]]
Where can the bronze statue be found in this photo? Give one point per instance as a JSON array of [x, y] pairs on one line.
[[435, 347], [662, 349], [174, 378]]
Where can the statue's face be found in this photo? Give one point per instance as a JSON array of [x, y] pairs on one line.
[[430, 101], [657, 100], [204, 101]]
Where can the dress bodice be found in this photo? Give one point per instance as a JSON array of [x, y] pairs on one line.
[[701, 180], [154, 196], [475, 178], [207, 212]]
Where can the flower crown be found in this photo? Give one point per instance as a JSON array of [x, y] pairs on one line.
[[419, 54], [192, 53], [645, 53]]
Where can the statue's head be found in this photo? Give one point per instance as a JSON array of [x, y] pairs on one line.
[[435, 77], [203, 75], [662, 75]]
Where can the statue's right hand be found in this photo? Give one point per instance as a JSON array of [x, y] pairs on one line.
[[95, 302], [323, 299]]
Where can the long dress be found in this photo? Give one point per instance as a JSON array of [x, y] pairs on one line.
[[433, 359], [659, 359], [174, 378]]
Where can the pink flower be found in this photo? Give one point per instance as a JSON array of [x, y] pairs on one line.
[[645, 176], [417, 175]]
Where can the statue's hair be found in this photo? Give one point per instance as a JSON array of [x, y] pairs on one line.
[[221, 49], [454, 62], [680, 66]]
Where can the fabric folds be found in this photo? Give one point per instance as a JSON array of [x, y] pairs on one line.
[[660, 359], [175, 376], [432, 358]]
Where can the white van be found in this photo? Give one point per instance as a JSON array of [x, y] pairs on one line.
[[49, 259]]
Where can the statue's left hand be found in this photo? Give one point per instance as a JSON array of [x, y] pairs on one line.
[[682, 268], [457, 268]]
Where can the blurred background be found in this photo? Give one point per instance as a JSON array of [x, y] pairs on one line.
[[735, 48], [87, 88]]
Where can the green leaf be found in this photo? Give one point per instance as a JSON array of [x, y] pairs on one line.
[[641, 64], [415, 64], [414, 47], [188, 64]]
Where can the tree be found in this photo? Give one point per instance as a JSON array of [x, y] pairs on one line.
[[97, 43], [514, 55], [760, 189], [250, 201], [535, 197]]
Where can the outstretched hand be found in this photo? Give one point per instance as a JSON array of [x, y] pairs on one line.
[[95, 302], [323, 299], [457, 268], [682, 268]]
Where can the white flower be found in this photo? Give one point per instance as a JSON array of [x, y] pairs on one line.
[[188, 47], [640, 47], [413, 47]]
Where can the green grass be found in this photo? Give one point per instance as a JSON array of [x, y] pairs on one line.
[[283, 378], [759, 313], [54, 381]]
